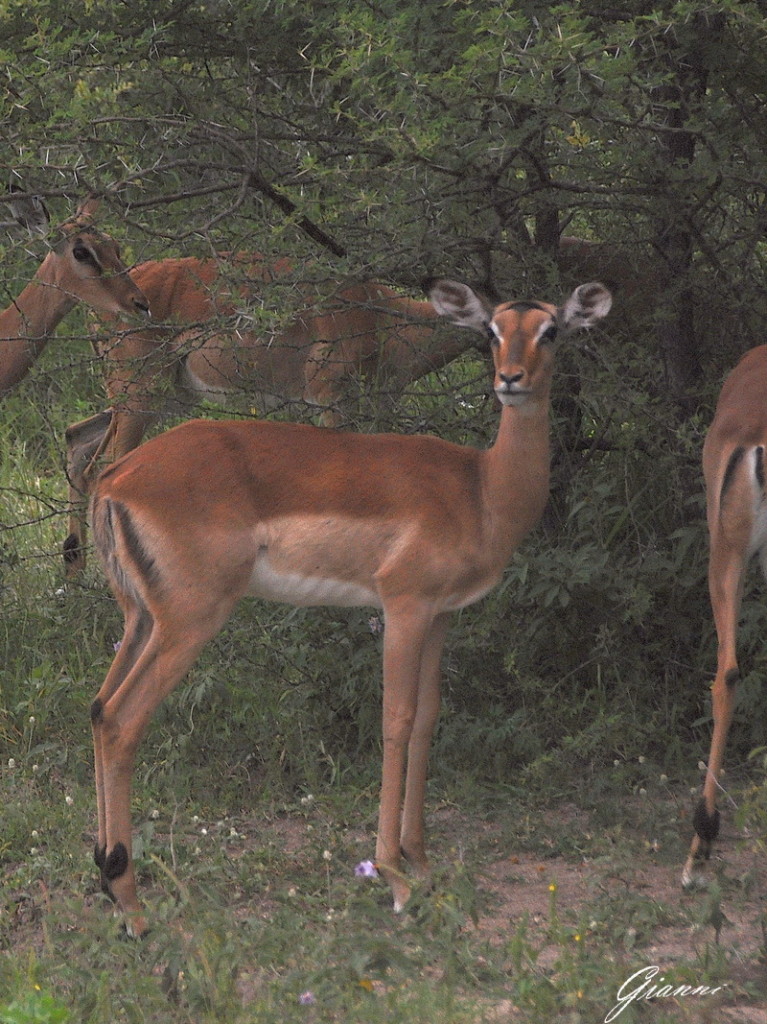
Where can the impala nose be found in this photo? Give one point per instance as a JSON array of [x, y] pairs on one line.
[[511, 378]]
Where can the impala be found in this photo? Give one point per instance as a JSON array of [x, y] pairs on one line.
[[354, 328], [734, 470], [83, 266], [210, 512]]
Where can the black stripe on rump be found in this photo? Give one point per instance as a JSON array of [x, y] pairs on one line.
[[732, 464], [140, 557]]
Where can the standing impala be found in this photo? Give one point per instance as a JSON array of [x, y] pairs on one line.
[[83, 266], [736, 501], [345, 329], [210, 512]]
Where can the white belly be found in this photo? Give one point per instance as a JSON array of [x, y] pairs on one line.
[[245, 396], [198, 386], [300, 589]]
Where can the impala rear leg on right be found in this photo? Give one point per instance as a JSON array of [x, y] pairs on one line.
[[736, 514]]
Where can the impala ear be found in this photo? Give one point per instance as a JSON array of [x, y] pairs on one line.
[[588, 304], [82, 220], [29, 212], [86, 211], [459, 304]]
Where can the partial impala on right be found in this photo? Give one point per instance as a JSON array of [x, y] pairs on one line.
[[734, 469]]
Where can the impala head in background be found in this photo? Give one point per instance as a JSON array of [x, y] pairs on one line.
[[736, 497], [82, 265], [212, 511]]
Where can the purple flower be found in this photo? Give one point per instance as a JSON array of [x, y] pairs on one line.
[[366, 869], [375, 625], [307, 999], [116, 645]]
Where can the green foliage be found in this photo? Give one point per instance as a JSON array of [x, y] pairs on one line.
[[398, 142], [36, 1008]]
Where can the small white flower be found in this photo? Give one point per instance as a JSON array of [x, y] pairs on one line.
[[32, 719], [366, 869], [11, 762], [701, 766], [35, 769], [327, 855], [154, 815], [641, 759], [195, 819], [68, 800], [664, 778], [35, 834], [203, 831], [616, 763]]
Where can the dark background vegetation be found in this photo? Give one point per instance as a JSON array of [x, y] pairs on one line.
[[400, 140]]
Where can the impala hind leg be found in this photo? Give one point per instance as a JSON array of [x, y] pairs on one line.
[[726, 571], [120, 716], [411, 638], [138, 626]]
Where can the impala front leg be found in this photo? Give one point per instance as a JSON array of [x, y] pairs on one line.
[[404, 636], [413, 843]]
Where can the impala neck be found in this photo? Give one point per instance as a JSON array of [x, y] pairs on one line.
[[516, 474], [28, 322]]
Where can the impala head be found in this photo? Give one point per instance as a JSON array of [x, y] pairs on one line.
[[522, 334], [90, 268], [94, 273]]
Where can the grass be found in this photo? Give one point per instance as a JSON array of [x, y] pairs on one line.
[[257, 914], [558, 806]]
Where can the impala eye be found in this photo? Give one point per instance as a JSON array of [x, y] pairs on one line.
[[491, 335], [549, 334], [81, 253]]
